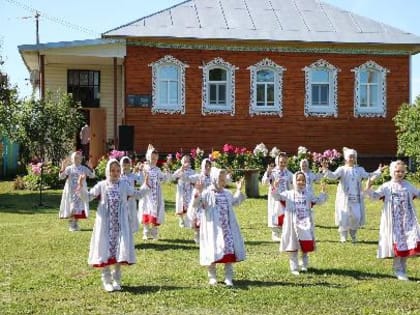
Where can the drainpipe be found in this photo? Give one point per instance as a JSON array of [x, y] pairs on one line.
[[115, 104]]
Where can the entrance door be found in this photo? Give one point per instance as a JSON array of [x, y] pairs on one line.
[[97, 117]]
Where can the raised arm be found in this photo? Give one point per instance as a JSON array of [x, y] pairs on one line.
[[238, 197]]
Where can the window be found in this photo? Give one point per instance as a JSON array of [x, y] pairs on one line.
[[84, 85], [321, 89], [370, 90], [218, 90], [168, 82], [218, 86], [266, 88]]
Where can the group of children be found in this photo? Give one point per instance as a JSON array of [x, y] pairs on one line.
[[205, 205]]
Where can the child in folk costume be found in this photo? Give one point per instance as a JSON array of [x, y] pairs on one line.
[[72, 207], [185, 183], [349, 203], [399, 230], [193, 213], [220, 237], [284, 177], [112, 242], [298, 227], [152, 207], [311, 177], [132, 179]]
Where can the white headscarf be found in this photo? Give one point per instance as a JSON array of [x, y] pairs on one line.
[[108, 168], [277, 159], [203, 165], [214, 176], [73, 157], [150, 150], [393, 166], [184, 158], [302, 161], [295, 179], [347, 152], [123, 160]]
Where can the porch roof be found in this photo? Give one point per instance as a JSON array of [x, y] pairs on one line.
[[98, 50]]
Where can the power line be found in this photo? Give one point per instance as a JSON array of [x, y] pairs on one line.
[[53, 18]]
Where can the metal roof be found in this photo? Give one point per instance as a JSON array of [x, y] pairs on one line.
[[274, 20]]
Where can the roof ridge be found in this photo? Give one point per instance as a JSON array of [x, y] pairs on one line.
[[147, 16]]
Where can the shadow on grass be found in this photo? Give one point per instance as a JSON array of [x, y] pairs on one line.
[[146, 289], [248, 284], [349, 243], [29, 203], [163, 244], [356, 274]]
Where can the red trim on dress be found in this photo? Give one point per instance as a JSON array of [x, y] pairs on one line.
[[81, 215], [307, 246], [280, 220], [149, 219], [110, 261], [226, 259], [406, 253]]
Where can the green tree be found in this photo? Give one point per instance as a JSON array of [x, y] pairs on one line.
[[9, 105], [407, 122], [48, 127]]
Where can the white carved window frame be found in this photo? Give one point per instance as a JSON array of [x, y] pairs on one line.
[[381, 108], [277, 109], [230, 69], [168, 60], [321, 111]]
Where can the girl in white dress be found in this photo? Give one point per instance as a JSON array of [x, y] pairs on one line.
[[298, 227], [112, 242], [349, 202], [275, 210], [133, 179], [311, 177], [220, 237], [152, 207], [71, 206], [399, 230], [193, 213], [185, 176]]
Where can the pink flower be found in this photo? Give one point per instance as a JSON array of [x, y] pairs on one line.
[[193, 153], [36, 168], [115, 154], [228, 148], [178, 156]]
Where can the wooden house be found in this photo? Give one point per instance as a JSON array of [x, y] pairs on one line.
[[209, 72]]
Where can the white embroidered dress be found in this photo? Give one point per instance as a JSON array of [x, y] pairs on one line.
[[399, 230], [133, 180], [71, 205], [220, 235], [193, 213], [184, 188], [112, 239], [274, 208], [152, 207], [298, 232], [349, 202]]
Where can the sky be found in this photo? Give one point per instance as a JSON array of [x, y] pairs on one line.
[[86, 19]]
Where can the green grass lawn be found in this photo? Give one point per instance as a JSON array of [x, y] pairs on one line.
[[44, 268]]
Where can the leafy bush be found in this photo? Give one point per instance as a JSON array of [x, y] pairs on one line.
[[50, 180]]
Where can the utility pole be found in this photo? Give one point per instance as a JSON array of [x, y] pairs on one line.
[[37, 15]]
